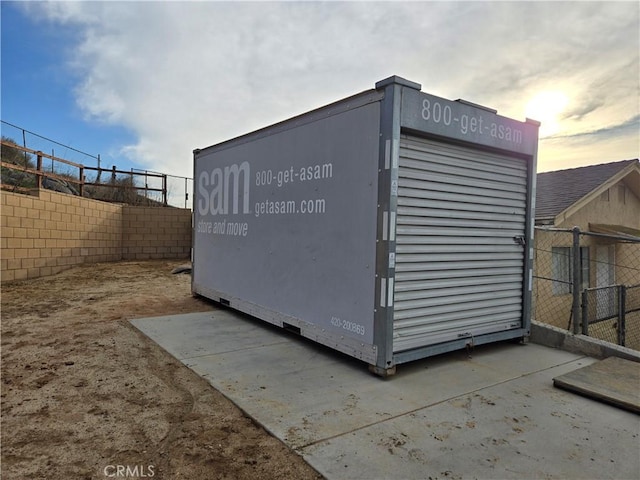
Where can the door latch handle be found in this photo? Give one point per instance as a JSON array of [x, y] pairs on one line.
[[519, 239]]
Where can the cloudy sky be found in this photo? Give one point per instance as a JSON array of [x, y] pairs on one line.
[[144, 83]]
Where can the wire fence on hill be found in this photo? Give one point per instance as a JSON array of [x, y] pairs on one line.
[[67, 169]]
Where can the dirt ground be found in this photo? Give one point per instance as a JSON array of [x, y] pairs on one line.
[[87, 396]]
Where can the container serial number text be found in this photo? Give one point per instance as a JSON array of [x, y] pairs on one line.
[[347, 325]]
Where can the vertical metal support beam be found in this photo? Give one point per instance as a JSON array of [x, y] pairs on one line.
[[39, 169], [383, 317], [577, 280], [389, 152], [585, 312], [81, 182], [622, 320], [99, 170], [24, 144], [131, 185], [527, 287], [164, 190]]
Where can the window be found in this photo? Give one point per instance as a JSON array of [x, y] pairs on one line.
[[622, 191], [562, 269]]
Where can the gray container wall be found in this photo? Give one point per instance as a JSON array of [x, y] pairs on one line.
[[338, 223], [285, 224]]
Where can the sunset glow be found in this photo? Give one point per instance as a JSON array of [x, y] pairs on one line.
[[546, 107]]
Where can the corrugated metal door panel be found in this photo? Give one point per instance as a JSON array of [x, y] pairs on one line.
[[431, 275], [405, 265], [467, 184], [451, 231], [437, 333], [442, 220], [451, 156], [417, 210], [461, 257], [459, 271], [471, 294], [418, 186], [458, 207], [427, 248], [437, 240], [466, 313], [448, 196], [426, 288], [412, 299], [469, 170]]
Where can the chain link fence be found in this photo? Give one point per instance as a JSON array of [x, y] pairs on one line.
[[588, 283], [179, 190], [59, 168], [632, 317]]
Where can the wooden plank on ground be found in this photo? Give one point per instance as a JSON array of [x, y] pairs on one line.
[[613, 380]]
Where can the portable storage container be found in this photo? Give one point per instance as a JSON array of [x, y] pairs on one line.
[[391, 225]]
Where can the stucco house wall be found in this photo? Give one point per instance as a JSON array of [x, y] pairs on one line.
[[617, 205]]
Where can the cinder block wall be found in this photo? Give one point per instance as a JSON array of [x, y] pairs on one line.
[[45, 234], [155, 233]]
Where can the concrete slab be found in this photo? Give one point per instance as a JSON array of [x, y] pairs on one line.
[[198, 334], [437, 415], [614, 380], [304, 393], [518, 429]]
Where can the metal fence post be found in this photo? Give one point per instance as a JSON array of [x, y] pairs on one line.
[[164, 190], [577, 280], [622, 297], [585, 312], [39, 168]]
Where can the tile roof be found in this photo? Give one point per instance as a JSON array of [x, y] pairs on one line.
[[558, 190]]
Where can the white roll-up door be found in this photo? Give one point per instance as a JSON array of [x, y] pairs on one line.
[[459, 256]]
